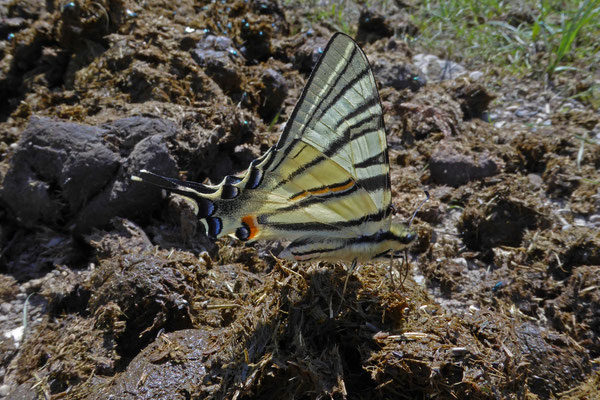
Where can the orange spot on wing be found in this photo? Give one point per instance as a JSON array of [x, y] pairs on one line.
[[324, 190], [299, 195], [343, 187], [252, 223]]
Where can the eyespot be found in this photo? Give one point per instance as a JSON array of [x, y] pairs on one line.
[[243, 232]]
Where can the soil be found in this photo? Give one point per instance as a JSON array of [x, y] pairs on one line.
[[110, 290]]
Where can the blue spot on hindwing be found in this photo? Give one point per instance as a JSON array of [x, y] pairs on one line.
[[215, 226], [243, 232], [206, 208], [229, 192], [232, 180], [255, 178]]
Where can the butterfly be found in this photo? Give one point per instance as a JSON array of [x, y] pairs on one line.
[[325, 185]]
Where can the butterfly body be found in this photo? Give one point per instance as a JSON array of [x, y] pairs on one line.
[[325, 186], [381, 244]]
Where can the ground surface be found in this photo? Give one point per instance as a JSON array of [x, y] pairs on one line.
[[108, 288]]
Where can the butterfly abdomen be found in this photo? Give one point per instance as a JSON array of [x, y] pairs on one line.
[[361, 248]]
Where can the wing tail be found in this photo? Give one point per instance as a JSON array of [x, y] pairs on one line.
[[195, 191]]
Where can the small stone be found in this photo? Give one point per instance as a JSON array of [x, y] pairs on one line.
[[578, 221], [5, 308], [436, 69], [521, 113], [4, 389], [535, 180], [16, 334], [475, 75]]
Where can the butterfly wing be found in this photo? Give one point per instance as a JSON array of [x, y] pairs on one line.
[[340, 114], [328, 176]]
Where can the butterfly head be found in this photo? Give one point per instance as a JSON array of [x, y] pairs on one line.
[[394, 242], [402, 237]]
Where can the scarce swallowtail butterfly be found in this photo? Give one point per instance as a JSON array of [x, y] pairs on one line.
[[325, 186]]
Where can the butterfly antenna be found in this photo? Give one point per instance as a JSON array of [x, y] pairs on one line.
[[418, 208]]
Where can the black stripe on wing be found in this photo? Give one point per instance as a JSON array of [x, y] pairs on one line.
[[333, 86], [368, 103], [324, 103], [373, 183], [335, 146], [349, 85], [378, 158], [288, 127], [314, 199], [320, 226], [320, 250]]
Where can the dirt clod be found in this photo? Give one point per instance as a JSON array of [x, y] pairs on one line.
[[449, 168]]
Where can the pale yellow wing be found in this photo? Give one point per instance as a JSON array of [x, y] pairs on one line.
[[327, 177]]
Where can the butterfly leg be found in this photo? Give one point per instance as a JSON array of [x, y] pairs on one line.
[[404, 270], [406, 266], [391, 271], [350, 271]]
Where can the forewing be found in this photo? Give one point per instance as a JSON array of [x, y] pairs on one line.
[[340, 114]]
